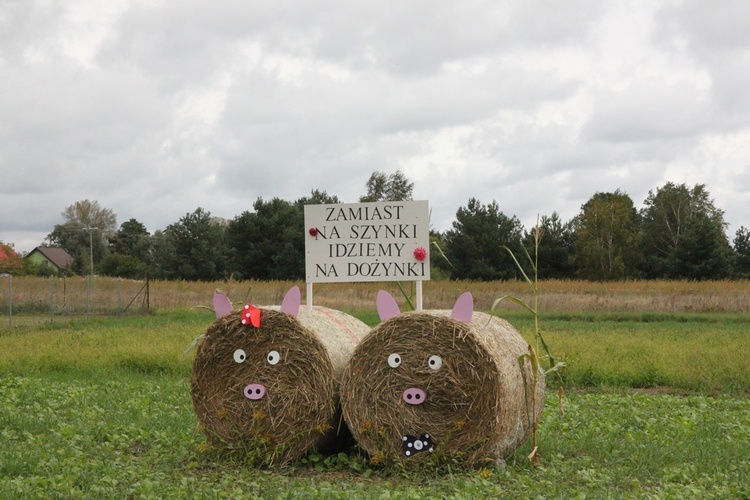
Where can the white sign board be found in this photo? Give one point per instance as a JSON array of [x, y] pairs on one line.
[[383, 241]]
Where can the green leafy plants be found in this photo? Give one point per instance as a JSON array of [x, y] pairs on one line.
[[532, 356], [135, 435]]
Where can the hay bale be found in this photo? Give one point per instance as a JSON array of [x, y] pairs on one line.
[[425, 381], [273, 390]]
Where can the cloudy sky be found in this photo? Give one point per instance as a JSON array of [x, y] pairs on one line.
[[157, 107]]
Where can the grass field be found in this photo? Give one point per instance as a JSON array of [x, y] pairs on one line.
[[657, 405]]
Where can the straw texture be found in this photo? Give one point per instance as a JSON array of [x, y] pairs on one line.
[[476, 404], [295, 362]]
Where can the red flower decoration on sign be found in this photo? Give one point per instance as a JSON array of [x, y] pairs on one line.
[[251, 316], [420, 254], [313, 231]]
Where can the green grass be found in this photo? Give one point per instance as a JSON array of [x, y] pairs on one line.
[[139, 344], [709, 354], [136, 436], [101, 408]]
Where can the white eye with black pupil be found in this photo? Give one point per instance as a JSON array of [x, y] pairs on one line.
[[239, 356], [394, 360], [273, 357], [435, 362]]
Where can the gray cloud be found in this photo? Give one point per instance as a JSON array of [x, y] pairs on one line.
[[649, 110]]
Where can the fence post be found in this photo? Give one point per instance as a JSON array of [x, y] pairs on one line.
[[119, 296]]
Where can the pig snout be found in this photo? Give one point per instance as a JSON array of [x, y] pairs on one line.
[[414, 396], [255, 391]]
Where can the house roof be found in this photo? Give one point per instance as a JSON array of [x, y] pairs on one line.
[[58, 256]]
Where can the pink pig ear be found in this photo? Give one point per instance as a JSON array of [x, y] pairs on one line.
[[463, 308], [290, 304], [222, 304], [387, 306]]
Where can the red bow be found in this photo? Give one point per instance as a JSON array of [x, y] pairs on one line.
[[251, 315]]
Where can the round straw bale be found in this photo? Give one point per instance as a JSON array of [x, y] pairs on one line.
[[273, 390], [475, 403]]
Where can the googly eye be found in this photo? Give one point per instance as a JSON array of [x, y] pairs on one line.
[[435, 362], [273, 357], [239, 356], [394, 360]]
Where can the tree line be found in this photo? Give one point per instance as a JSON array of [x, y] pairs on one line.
[[678, 234]]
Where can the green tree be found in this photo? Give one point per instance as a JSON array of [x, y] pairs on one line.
[[474, 244], [268, 243], [607, 238], [440, 268], [703, 253], [668, 217], [742, 253], [132, 239], [195, 248], [393, 187], [130, 252], [79, 241], [89, 213], [123, 266], [84, 234], [162, 250], [317, 197], [555, 247]]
